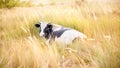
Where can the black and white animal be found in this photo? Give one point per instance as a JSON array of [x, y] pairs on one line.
[[57, 33]]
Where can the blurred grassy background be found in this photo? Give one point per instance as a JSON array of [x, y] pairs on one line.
[[21, 46]]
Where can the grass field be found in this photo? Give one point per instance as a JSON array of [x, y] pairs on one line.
[[21, 46]]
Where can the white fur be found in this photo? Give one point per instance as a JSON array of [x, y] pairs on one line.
[[68, 36], [42, 25]]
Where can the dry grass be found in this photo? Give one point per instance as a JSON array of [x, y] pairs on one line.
[[21, 46]]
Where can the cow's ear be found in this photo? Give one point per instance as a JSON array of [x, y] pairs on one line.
[[37, 25], [49, 25]]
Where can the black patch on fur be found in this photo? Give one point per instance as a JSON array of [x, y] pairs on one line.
[[58, 33], [48, 30]]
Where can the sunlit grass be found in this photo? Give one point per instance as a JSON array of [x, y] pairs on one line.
[[21, 46]]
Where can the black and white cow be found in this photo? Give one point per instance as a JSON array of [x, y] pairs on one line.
[[57, 33]]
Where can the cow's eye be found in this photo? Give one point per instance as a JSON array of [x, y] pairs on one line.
[[46, 29]]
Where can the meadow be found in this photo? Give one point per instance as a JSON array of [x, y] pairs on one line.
[[21, 46]]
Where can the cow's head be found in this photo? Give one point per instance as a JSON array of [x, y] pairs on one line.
[[45, 29]]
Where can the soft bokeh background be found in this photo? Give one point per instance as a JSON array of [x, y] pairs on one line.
[[21, 46]]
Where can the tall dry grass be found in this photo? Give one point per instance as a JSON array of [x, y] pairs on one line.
[[21, 46]]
